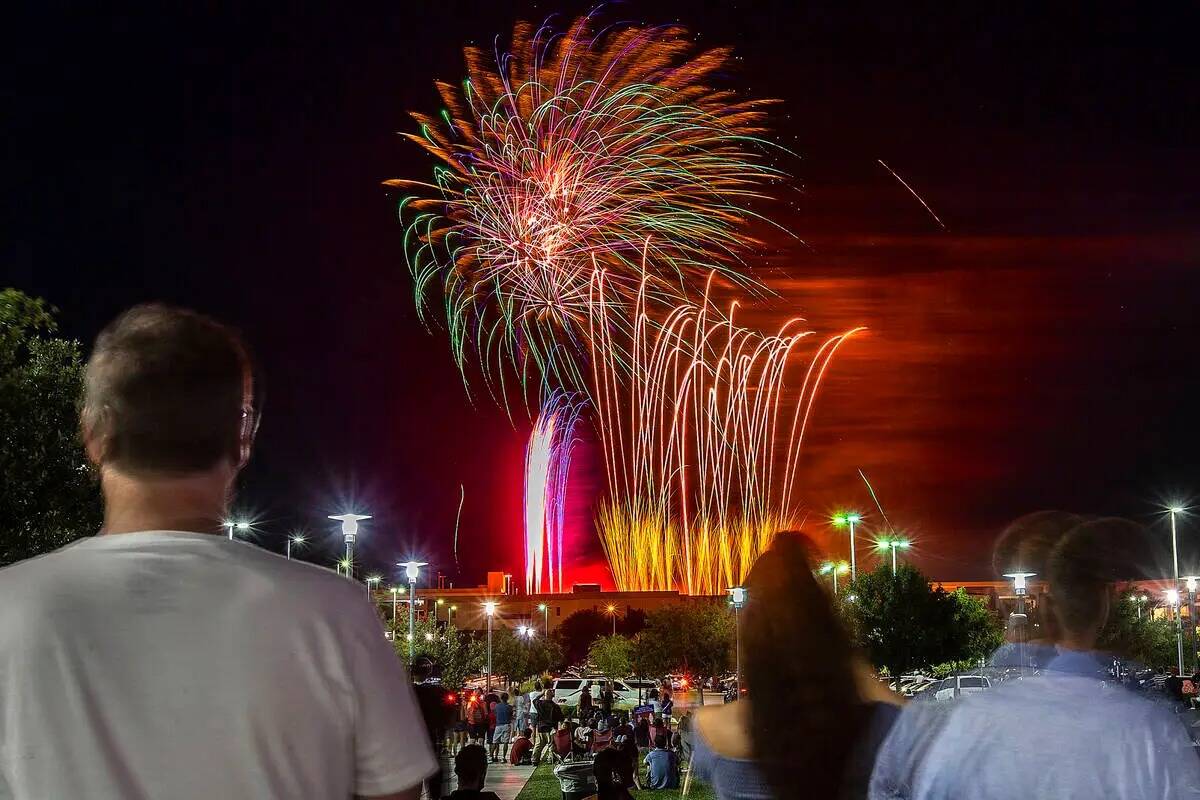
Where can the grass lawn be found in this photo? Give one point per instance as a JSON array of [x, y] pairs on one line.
[[543, 785]]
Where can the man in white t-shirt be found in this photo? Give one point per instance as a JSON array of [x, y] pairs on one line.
[[160, 659]]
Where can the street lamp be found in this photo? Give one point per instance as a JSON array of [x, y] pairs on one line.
[[344, 566], [440, 602], [372, 579], [849, 519], [612, 612], [349, 531], [893, 545], [489, 608], [545, 609], [833, 570], [1020, 587], [737, 599], [1191, 590], [297, 539], [453, 609], [1175, 510], [411, 570], [1138, 601], [239, 525]]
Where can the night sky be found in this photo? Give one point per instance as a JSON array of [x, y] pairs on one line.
[[1040, 352]]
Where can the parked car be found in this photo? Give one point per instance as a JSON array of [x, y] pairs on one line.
[[626, 693], [958, 685]]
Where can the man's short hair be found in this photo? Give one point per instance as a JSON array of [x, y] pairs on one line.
[[168, 390], [1086, 563], [504, 697], [470, 764], [660, 741]]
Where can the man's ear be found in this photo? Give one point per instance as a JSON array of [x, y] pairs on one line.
[[93, 442], [246, 434]]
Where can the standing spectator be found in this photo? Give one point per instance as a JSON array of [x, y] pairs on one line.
[[435, 713], [522, 711], [818, 737], [548, 713], [501, 735], [477, 717], [655, 703], [160, 658], [585, 703], [470, 767], [668, 707], [606, 700], [662, 766]]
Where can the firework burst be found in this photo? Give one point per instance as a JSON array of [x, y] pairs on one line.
[[547, 469], [571, 152]]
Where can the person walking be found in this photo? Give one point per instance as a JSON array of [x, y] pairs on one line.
[[160, 658], [435, 714], [502, 733], [522, 711]]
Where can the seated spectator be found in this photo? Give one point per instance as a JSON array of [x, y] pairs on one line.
[[522, 749], [470, 765], [663, 766]]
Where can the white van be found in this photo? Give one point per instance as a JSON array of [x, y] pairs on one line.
[[958, 685], [626, 693]]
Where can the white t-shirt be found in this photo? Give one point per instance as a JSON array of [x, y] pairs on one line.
[[179, 665]]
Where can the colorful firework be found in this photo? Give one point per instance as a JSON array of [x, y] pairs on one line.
[[702, 445], [574, 151], [547, 468]]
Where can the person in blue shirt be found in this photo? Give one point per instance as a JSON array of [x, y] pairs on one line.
[[502, 734], [1065, 733], [663, 765]]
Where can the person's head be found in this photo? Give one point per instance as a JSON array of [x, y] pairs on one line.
[[470, 765], [1025, 546], [168, 394], [527, 733], [422, 669], [609, 768], [798, 666], [1083, 566], [660, 741], [658, 722], [504, 697]]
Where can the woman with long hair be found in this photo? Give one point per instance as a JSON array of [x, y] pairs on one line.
[[812, 718]]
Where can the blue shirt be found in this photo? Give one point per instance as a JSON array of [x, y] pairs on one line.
[[503, 713], [1062, 734], [662, 772]]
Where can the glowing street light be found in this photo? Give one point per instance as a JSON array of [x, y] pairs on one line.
[[372, 580], [395, 599], [1020, 587], [893, 545], [737, 599], [1138, 601], [1175, 509], [833, 570], [453, 609], [545, 609], [412, 569], [489, 608], [240, 525], [344, 566], [296, 539], [1191, 581], [440, 602], [612, 612], [849, 519], [349, 532]]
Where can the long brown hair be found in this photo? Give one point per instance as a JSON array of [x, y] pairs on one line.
[[806, 712]]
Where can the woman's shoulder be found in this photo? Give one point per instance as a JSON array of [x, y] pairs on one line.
[[725, 729]]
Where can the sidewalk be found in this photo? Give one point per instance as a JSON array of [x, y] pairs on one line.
[[506, 781]]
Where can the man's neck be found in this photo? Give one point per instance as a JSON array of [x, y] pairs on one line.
[[194, 502]]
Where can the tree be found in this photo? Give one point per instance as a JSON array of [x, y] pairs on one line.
[[983, 631], [577, 632], [696, 638], [612, 655], [902, 623], [456, 655], [49, 495], [1132, 634]]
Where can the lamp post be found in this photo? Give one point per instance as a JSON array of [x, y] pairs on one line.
[[893, 545], [293, 540], [438, 604], [545, 609], [1138, 600], [349, 532], [489, 608], [833, 570], [240, 525], [737, 599], [1175, 511], [612, 612], [849, 519], [1020, 587], [453, 609], [344, 567], [371, 579], [411, 570], [395, 599], [1191, 581]]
